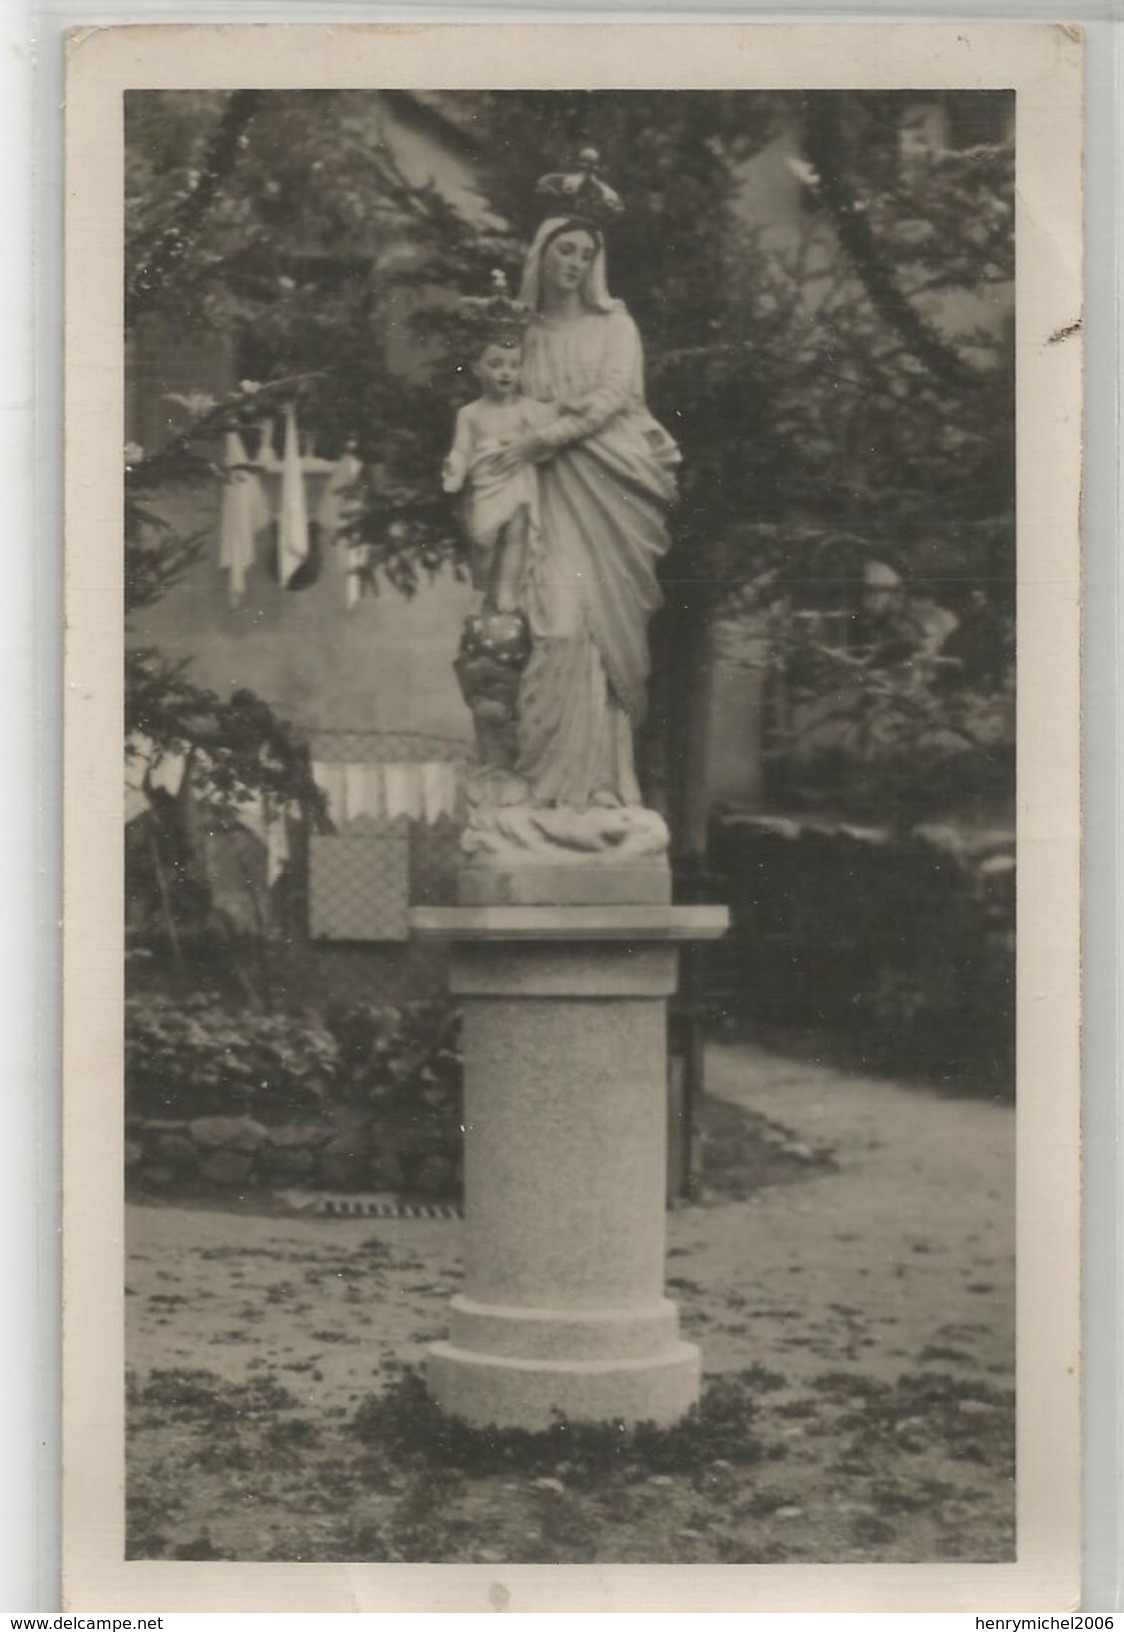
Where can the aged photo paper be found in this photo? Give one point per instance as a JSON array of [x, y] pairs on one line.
[[575, 533]]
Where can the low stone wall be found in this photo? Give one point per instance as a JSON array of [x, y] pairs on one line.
[[344, 1148]]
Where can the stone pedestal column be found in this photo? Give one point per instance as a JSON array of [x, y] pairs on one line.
[[563, 1310]]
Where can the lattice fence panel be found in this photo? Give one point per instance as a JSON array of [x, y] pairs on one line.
[[351, 890], [359, 884]]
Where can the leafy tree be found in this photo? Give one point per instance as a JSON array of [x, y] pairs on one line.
[[900, 451]]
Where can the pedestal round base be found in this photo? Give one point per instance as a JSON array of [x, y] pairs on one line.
[[488, 1390], [563, 1313]]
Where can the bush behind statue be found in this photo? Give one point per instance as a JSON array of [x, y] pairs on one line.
[[193, 1055]]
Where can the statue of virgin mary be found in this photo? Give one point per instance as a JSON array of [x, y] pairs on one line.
[[605, 473]]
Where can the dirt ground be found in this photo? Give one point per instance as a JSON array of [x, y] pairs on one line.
[[856, 1323]]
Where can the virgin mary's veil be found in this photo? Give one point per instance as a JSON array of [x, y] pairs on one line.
[[595, 290]]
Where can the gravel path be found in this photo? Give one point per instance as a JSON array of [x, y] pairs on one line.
[[905, 1253]]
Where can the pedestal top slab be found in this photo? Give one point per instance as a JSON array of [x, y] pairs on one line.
[[576, 923]]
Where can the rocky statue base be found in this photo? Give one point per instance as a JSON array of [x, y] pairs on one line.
[[530, 856], [563, 1309]]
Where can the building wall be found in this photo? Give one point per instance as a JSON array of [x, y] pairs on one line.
[[383, 665]]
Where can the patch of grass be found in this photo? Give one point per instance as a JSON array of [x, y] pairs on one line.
[[190, 1393], [148, 1510], [422, 1529], [732, 1550], [797, 1408], [966, 1419], [872, 1531], [762, 1505], [939, 1351], [395, 1481], [566, 1524], [198, 1548], [850, 1383], [221, 1254], [293, 1433], [405, 1424], [761, 1378], [354, 1541], [224, 1454]]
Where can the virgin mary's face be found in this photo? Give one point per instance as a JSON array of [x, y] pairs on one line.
[[566, 261]]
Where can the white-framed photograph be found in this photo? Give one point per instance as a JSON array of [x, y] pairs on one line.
[[572, 1005]]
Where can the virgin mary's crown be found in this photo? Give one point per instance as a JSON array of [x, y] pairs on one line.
[[580, 193]]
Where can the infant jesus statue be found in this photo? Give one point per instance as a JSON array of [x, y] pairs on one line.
[[500, 504]]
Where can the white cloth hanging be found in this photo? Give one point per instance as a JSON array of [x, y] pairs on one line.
[[337, 507], [244, 512], [439, 790], [267, 453], [357, 790], [136, 799], [292, 539], [352, 808], [167, 772], [139, 753], [363, 792], [276, 844], [356, 559], [374, 802], [402, 791], [329, 778]]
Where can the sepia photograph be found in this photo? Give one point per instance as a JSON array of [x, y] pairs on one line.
[[571, 575]]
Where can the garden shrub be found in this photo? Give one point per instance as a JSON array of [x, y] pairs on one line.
[[190, 1056], [404, 1061], [194, 1056], [900, 943]]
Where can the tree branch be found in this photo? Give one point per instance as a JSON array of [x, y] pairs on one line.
[[824, 144], [151, 273]]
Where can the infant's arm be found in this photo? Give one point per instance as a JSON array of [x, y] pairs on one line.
[[455, 469]]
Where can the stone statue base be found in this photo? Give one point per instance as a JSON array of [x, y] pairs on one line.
[[563, 1310], [564, 884], [528, 855]]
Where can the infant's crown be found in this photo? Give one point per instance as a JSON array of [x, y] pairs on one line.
[[494, 319]]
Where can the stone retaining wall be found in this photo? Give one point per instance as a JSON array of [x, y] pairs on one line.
[[345, 1148]]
